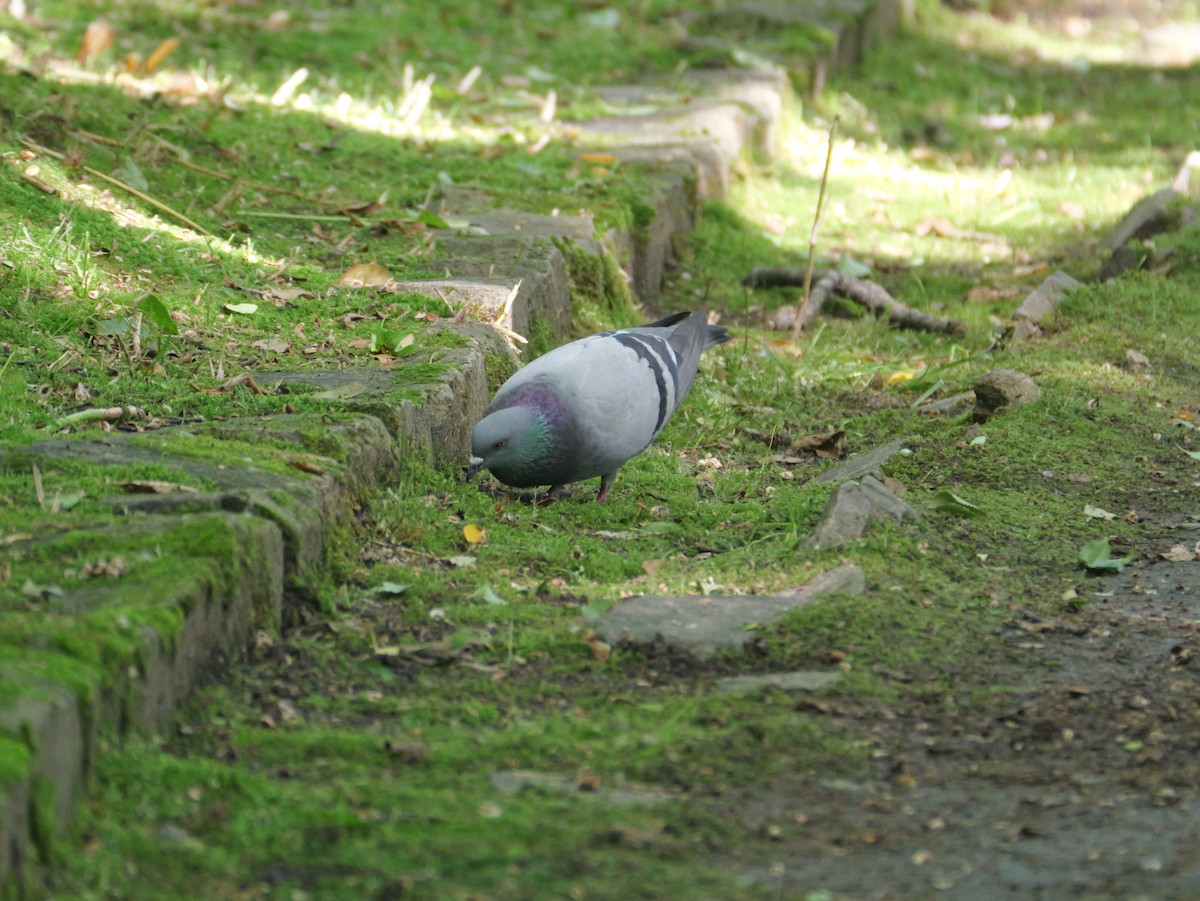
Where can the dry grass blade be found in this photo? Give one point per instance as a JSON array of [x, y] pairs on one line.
[[816, 226]]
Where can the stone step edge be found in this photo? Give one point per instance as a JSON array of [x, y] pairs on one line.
[[64, 743]]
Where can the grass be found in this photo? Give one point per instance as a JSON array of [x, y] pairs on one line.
[[357, 754]]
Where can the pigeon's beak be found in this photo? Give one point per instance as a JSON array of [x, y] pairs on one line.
[[474, 466]]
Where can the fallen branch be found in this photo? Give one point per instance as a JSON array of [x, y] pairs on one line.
[[870, 295]]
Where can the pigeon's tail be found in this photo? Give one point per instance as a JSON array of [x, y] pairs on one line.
[[713, 335], [716, 334]]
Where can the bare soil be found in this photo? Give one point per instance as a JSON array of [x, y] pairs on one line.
[[1080, 779]]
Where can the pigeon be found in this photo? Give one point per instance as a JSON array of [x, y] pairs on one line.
[[584, 409]]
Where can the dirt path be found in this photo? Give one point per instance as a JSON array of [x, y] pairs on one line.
[[1078, 780]]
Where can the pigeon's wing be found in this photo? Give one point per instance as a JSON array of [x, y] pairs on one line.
[[617, 389]]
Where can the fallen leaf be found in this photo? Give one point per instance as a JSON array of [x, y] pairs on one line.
[[275, 345], [150, 486], [1097, 555], [601, 650], [937, 226], [304, 465], [488, 595], [408, 752], [1179, 554], [1097, 512], [244, 309], [824, 446], [364, 275], [946, 501], [474, 535], [390, 588], [97, 38], [160, 53], [1071, 209]]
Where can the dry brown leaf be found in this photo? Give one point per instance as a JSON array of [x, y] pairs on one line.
[[306, 466], [275, 345], [364, 275], [98, 37], [601, 649], [150, 486], [407, 751], [823, 446], [161, 52], [936, 225], [1179, 554], [1071, 209]]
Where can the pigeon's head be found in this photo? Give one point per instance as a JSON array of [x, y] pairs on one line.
[[511, 443]]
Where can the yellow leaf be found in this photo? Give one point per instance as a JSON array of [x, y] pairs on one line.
[[161, 52], [606, 158], [474, 535], [896, 378]]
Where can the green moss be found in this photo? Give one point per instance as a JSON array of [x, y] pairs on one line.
[[500, 367], [43, 822], [15, 760], [600, 295]]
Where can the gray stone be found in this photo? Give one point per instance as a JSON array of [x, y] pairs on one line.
[[539, 265], [864, 464], [705, 624], [853, 507], [1003, 389], [799, 680], [1149, 216], [947, 405], [1046, 297], [1123, 259]]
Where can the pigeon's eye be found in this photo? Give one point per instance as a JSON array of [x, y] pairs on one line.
[[499, 444]]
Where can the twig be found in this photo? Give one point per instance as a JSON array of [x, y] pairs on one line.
[[145, 198], [872, 296], [38, 491], [100, 414], [812, 235], [314, 217]]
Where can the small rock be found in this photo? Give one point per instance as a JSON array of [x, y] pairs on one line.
[[1149, 216], [947, 405], [1046, 297], [853, 507], [1137, 359], [1123, 259], [1003, 389]]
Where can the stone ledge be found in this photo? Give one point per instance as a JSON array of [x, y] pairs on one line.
[[687, 149]]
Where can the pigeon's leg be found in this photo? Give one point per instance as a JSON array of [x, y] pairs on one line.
[[550, 496], [606, 482]]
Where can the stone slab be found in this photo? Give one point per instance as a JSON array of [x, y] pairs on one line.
[[702, 625], [1045, 298], [797, 680], [869, 463]]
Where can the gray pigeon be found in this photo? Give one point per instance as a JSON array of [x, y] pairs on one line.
[[583, 409]]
